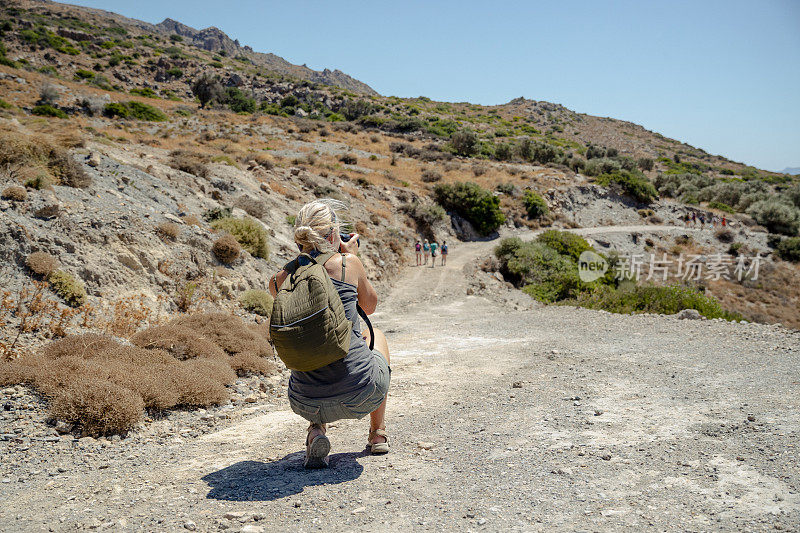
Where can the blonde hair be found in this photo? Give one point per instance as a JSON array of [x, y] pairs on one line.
[[315, 222]]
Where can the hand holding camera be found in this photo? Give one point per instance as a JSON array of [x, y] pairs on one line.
[[350, 243]]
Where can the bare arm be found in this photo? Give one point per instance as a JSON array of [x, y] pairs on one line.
[[367, 296], [280, 276]]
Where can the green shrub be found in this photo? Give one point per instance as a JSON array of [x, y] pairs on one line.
[[239, 102], [257, 301], [144, 91], [789, 249], [535, 205], [542, 272], [652, 299], [82, 74], [47, 110], [565, 243], [776, 216], [135, 110], [217, 213], [208, 90], [175, 72], [721, 207], [632, 183], [247, 232], [425, 215], [645, 163], [479, 206], [68, 287], [4, 104], [464, 142]]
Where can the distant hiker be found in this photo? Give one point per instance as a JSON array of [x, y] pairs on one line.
[[418, 249], [694, 218], [434, 246], [702, 220], [335, 375], [724, 221], [687, 219], [444, 253], [426, 249]]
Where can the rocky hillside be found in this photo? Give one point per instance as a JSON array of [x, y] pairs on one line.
[[79, 32]]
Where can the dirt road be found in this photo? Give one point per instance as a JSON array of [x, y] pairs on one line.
[[549, 419]]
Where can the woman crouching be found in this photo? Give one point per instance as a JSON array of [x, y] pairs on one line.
[[356, 385]]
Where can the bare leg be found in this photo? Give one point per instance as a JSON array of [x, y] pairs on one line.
[[377, 417]]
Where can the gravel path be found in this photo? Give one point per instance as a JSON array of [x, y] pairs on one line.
[[548, 419]]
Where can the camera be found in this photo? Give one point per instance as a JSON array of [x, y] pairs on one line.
[[345, 237]]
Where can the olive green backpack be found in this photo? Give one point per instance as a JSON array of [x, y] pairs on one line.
[[308, 325]]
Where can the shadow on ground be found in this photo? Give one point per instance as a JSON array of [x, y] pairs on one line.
[[257, 481]]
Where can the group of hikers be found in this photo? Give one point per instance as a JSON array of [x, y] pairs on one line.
[[693, 218], [427, 250]]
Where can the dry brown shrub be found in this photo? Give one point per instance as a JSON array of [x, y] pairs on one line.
[[254, 208], [226, 249], [189, 162], [41, 263], [99, 406], [48, 211], [15, 193], [247, 363], [168, 230], [191, 220], [180, 342], [228, 332], [265, 161]]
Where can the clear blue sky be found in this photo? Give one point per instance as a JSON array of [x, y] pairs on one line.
[[720, 75]]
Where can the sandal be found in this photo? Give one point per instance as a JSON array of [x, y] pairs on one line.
[[317, 450], [378, 447]]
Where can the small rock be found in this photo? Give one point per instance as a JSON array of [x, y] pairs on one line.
[[516, 385], [425, 445], [233, 515], [751, 418], [93, 160], [252, 529], [251, 399], [598, 412], [606, 457], [689, 314], [63, 427], [481, 521], [191, 526], [358, 510]]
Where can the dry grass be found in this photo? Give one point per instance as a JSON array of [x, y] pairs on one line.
[[41, 263], [94, 381], [24, 157], [168, 231], [15, 193]]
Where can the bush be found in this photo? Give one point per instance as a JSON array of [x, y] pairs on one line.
[[46, 110], [41, 263], [544, 273], [565, 243], [248, 232], [39, 153], [348, 159], [239, 102], [721, 207], [189, 162], [430, 176], [136, 110], [632, 183], [535, 205], [724, 235], [168, 230], [207, 89], [15, 193], [645, 163], [464, 142], [479, 206], [251, 206], [425, 215], [776, 216], [226, 249], [69, 288], [652, 299], [789, 249], [93, 381], [257, 301], [217, 213]]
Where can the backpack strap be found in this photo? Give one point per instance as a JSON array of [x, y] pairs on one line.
[[343, 267]]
